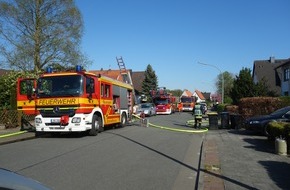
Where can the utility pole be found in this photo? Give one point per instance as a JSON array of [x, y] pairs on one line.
[[221, 75]]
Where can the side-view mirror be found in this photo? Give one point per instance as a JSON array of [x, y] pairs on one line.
[[29, 86], [91, 85], [90, 88]]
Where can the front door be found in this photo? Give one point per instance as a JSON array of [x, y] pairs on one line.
[[26, 95]]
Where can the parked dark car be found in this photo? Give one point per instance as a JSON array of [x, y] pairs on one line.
[[148, 109], [259, 123]]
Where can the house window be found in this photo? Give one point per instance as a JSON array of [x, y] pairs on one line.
[[286, 93], [286, 74]]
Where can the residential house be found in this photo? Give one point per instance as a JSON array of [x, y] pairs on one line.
[[283, 72], [136, 77], [114, 74], [187, 93], [3, 71], [207, 95], [266, 70], [199, 95]]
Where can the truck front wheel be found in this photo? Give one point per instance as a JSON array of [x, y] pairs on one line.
[[96, 124]]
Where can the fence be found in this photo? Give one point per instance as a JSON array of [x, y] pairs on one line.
[[14, 118]]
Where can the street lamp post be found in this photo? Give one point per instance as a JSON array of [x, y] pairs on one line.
[[220, 73]]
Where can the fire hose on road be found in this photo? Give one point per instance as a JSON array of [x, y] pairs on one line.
[[188, 123]]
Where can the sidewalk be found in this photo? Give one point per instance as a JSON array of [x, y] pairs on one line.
[[238, 159]]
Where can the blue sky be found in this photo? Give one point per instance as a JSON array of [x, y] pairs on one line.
[[173, 35]]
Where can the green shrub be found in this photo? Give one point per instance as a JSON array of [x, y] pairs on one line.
[[275, 129], [278, 129], [221, 108], [287, 131], [285, 101]]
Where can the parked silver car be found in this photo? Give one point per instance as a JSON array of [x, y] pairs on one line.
[[149, 109]]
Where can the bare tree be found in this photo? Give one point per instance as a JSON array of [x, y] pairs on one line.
[[38, 33]]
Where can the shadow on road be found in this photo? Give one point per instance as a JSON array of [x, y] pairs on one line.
[[262, 145], [279, 172], [156, 151], [198, 170]]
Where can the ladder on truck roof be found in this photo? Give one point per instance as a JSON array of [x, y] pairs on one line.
[[126, 75]]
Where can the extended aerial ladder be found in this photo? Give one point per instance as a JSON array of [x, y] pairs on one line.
[[126, 75]]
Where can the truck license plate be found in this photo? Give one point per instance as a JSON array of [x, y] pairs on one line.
[[55, 120]]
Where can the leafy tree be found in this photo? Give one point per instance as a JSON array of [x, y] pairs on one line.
[[176, 92], [150, 81], [228, 85], [38, 33], [243, 86], [8, 88], [262, 89]]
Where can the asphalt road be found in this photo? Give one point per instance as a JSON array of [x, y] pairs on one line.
[[133, 157]]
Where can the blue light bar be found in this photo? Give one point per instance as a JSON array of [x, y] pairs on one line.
[[78, 68], [48, 70]]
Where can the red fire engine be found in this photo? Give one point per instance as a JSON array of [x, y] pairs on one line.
[[75, 101], [165, 102], [187, 102]]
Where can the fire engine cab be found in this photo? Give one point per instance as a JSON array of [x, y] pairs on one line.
[[187, 102], [165, 102], [75, 101]]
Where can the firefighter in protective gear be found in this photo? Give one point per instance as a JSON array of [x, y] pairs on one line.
[[197, 115], [179, 106]]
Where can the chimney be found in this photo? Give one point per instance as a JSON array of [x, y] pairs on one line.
[[272, 59]]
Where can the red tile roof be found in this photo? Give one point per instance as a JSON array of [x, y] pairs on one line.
[[137, 77], [187, 93], [199, 94], [114, 74], [3, 71]]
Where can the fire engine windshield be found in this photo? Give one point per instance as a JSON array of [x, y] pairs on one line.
[[52, 86], [161, 101], [186, 99]]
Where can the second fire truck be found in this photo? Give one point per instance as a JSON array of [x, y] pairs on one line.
[[165, 102], [187, 103]]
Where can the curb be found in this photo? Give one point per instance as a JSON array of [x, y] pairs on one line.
[[16, 137], [199, 178], [211, 167]]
